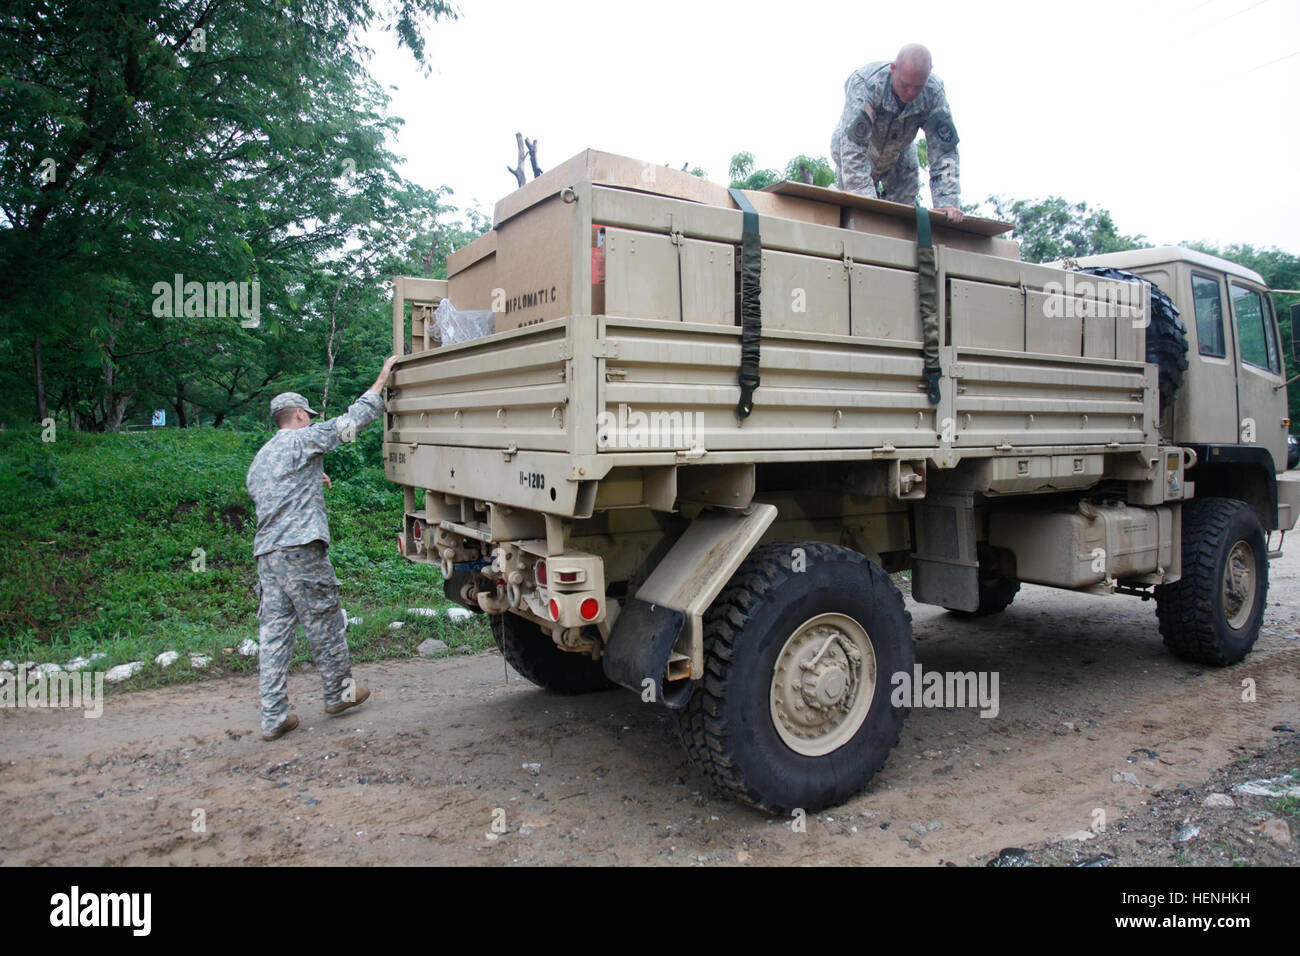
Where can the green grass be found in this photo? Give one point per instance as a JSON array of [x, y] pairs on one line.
[[98, 539]]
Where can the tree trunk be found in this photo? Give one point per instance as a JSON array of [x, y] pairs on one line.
[[178, 404], [532, 157], [38, 375], [518, 171], [116, 410], [221, 417]]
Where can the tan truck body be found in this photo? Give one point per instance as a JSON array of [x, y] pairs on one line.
[[596, 430]]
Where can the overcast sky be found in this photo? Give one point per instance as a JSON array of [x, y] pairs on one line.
[[1179, 116]]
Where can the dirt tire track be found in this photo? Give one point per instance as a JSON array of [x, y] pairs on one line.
[[416, 774]]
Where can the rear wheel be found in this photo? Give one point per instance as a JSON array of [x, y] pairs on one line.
[[794, 709], [531, 652], [1213, 612]]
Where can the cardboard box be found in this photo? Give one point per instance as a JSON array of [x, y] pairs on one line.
[[530, 269], [607, 169], [535, 256], [898, 220], [472, 273], [897, 227], [533, 263], [791, 207]]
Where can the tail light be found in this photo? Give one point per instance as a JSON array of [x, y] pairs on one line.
[[589, 609], [540, 571]]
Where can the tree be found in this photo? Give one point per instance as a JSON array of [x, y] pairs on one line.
[[1052, 228], [816, 171], [804, 169], [223, 141]]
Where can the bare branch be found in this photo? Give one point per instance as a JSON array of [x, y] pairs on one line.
[[532, 157], [518, 172]]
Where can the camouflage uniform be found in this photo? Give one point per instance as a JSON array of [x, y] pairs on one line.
[[297, 584], [875, 141]]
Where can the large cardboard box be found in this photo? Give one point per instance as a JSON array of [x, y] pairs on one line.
[[529, 269], [471, 273], [608, 169], [534, 266], [898, 220]]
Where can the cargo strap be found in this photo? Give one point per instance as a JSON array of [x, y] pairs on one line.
[[751, 311], [928, 300]]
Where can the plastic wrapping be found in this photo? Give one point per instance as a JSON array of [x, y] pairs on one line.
[[454, 326]]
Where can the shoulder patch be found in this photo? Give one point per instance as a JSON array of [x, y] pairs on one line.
[[944, 128], [860, 130]]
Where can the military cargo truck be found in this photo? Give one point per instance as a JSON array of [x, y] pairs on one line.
[[705, 427]]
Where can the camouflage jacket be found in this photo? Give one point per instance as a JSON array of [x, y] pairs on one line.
[[286, 477], [876, 127]]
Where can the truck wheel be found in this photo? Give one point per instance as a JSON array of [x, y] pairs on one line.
[[531, 652], [1212, 614], [1166, 334], [799, 648], [996, 590]]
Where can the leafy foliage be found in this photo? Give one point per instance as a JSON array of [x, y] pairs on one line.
[[223, 142], [121, 577], [1053, 228], [812, 169]]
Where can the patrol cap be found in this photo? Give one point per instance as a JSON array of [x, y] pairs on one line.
[[290, 400]]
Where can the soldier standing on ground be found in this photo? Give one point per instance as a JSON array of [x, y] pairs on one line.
[[875, 142], [297, 583]]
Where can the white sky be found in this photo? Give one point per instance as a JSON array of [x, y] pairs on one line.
[[1141, 108]]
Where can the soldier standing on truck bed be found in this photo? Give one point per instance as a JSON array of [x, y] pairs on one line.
[[297, 583], [875, 142]]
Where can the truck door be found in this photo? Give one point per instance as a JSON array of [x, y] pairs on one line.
[[1261, 407], [1207, 402]]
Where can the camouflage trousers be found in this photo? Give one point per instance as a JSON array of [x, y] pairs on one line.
[[899, 183], [297, 585]]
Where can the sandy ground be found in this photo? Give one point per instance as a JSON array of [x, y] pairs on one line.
[[424, 771]]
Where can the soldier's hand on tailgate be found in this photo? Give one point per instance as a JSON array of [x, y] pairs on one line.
[[383, 374], [328, 484], [952, 212]]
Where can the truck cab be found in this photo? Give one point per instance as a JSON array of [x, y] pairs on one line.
[[1232, 405]]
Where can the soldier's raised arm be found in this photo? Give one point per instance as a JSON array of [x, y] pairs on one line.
[[852, 136], [945, 170], [326, 436]]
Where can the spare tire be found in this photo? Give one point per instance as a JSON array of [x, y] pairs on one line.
[[1166, 333]]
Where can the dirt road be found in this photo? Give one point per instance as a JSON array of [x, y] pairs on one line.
[[422, 772]]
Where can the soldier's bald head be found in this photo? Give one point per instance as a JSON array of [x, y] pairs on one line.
[[914, 56], [909, 71]]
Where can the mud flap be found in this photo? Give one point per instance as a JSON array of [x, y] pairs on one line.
[[667, 612], [638, 650], [945, 564]]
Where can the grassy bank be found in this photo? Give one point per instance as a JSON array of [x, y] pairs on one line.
[[134, 544]]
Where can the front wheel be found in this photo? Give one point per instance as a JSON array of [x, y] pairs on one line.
[[794, 709], [1213, 612]]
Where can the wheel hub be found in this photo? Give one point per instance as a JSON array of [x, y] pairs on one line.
[[822, 685], [1239, 584]]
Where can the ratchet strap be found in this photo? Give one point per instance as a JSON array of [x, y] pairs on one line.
[[751, 311], [927, 284]]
